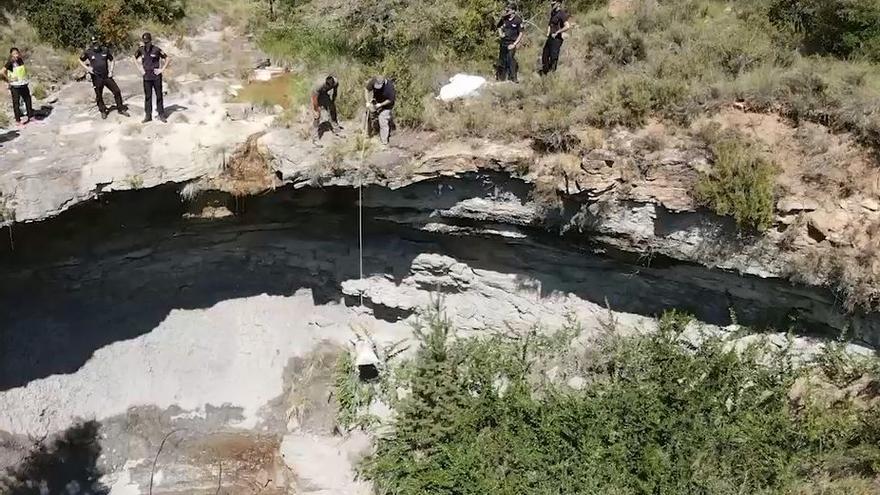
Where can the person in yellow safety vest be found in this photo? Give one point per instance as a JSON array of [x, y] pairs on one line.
[[16, 75]]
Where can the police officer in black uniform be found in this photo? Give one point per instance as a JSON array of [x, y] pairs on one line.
[[97, 59], [153, 63], [556, 28], [510, 30]]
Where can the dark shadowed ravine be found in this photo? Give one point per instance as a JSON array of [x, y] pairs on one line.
[[112, 269]]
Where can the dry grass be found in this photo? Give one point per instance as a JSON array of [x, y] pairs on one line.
[[850, 485], [7, 209], [5, 119], [248, 171], [342, 157], [853, 271], [859, 270], [814, 161], [233, 13]]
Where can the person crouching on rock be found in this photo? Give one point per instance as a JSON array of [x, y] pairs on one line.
[[324, 105], [16, 75], [153, 64], [380, 96], [97, 59]]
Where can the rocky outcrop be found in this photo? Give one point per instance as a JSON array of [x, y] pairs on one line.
[[70, 155], [152, 320], [632, 193]]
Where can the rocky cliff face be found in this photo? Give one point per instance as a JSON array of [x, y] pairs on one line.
[[157, 315], [614, 203]]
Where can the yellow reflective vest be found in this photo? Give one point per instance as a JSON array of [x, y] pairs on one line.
[[18, 75]]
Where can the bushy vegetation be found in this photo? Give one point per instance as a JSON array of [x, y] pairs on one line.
[[840, 27], [415, 43], [675, 60], [741, 183], [667, 412], [71, 23]]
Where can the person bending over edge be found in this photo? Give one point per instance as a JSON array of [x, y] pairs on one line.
[[380, 96], [16, 75], [153, 64], [97, 59], [324, 97], [559, 24]]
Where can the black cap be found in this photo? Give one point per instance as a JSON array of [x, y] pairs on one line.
[[147, 38]]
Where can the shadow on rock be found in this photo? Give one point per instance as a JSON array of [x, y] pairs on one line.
[[172, 109], [43, 112], [68, 464], [7, 136], [119, 289]]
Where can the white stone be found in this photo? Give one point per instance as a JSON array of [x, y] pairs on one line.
[[577, 383]]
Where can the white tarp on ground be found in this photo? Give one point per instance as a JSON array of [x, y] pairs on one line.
[[461, 86]]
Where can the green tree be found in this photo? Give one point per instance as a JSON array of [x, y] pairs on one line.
[[668, 412], [839, 27]]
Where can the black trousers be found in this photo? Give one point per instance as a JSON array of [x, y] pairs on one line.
[[151, 86], [550, 55], [507, 66], [101, 82], [21, 93]]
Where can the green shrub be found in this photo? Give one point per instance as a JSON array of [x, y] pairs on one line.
[[352, 77], [413, 83], [303, 43], [115, 24], [63, 23], [741, 184], [838, 27], [621, 46], [627, 101], [352, 396], [71, 23], [164, 11], [657, 414]]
